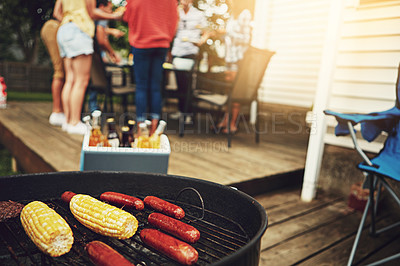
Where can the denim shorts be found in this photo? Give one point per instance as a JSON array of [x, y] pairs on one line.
[[72, 41]]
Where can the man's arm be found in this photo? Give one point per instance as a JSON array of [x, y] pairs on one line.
[[102, 39], [58, 11]]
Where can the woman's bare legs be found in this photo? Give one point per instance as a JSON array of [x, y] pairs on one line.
[[66, 91], [81, 71], [235, 114]]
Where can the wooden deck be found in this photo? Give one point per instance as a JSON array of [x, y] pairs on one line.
[[316, 233], [40, 147], [321, 232]]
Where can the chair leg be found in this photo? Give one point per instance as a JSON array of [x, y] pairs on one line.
[[373, 182], [229, 127], [257, 126], [369, 207], [125, 103], [181, 125], [359, 231]]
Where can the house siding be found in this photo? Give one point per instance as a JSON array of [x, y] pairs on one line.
[[368, 57], [295, 31]]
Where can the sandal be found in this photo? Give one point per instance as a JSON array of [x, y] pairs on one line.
[[217, 129], [233, 132]]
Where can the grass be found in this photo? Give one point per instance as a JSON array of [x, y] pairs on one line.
[[46, 97], [28, 96], [5, 162]]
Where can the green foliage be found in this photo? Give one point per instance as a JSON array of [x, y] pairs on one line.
[[21, 23], [121, 44], [26, 96], [5, 162]]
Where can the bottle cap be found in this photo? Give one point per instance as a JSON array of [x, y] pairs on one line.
[[96, 113], [86, 119]]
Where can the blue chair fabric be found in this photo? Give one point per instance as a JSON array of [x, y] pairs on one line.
[[385, 165]]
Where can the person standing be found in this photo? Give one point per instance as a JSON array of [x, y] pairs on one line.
[[190, 35], [237, 40], [101, 37], [75, 41], [48, 34], [152, 27]]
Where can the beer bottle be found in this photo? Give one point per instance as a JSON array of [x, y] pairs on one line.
[[155, 138], [97, 138], [132, 129], [125, 139], [143, 139], [95, 133], [112, 134]]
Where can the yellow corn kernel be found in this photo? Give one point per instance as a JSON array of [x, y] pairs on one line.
[[103, 218], [47, 229]]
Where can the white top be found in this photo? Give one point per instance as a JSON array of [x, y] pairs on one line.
[[189, 31], [238, 34]]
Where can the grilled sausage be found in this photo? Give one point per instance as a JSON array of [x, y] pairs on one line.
[[103, 255], [164, 207], [175, 227], [67, 196], [121, 200], [170, 246]]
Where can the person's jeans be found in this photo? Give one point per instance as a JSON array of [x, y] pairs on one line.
[[183, 79], [148, 74], [93, 101]]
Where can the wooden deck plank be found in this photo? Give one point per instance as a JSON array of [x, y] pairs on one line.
[[297, 249], [281, 233], [339, 253], [299, 208], [198, 154], [320, 235]]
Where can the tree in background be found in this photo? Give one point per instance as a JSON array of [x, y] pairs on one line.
[[21, 22]]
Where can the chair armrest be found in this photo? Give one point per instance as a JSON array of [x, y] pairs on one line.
[[215, 86], [356, 145], [372, 124]]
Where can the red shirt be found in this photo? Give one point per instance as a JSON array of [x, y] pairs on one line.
[[152, 23]]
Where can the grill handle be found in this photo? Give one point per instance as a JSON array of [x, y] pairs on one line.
[[201, 201]]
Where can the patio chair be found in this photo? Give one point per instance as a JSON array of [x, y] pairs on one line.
[[243, 90], [110, 80], [382, 168]]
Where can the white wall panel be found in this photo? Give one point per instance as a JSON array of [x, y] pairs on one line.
[[367, 58], [296, 32], [367, 62]]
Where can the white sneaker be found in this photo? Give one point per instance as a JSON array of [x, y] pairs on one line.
[[188, 120], [64, 126], [57, 119], [175, 116], [79, 129]]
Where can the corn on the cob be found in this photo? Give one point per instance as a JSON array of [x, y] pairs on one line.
[[47, 229], [103, 218]]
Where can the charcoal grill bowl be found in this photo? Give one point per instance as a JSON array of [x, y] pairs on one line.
[[224, 200]]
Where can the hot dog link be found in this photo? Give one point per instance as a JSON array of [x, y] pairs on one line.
[[170, 246], [103, 255], [175, 227], [120, 200], [164, 207]]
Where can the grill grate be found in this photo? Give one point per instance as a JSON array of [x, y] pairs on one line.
[[220, 237]]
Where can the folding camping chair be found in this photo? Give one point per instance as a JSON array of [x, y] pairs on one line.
[[383, 167]]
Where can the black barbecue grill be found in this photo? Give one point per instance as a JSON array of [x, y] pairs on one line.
[[231, 223]]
